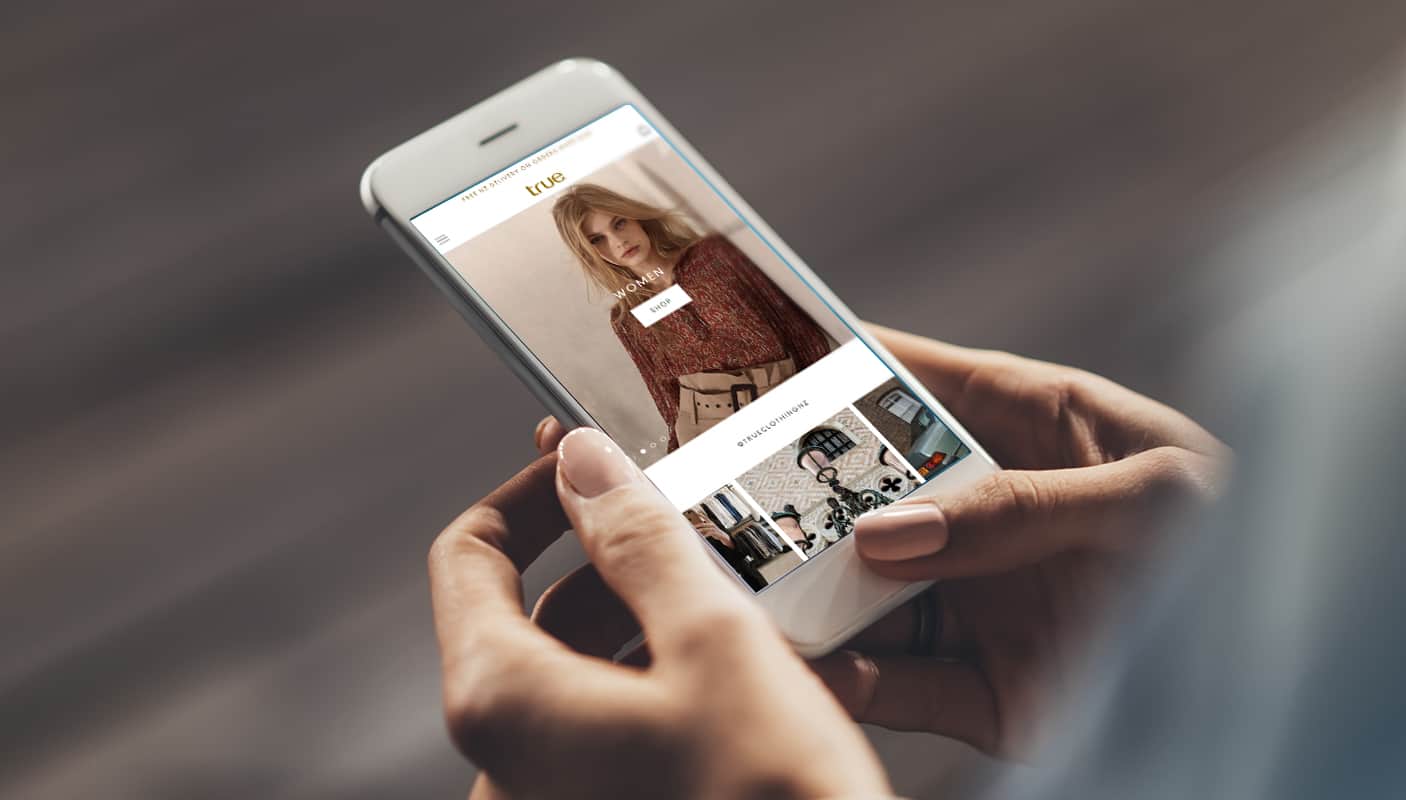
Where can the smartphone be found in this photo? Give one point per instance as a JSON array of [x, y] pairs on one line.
[[632, 290]]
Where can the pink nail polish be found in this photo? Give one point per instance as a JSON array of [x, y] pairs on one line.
[[900, 532], [592, 463]]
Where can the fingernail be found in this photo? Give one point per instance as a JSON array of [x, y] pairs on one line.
[[592, 463], [900, 532], [537, 432]]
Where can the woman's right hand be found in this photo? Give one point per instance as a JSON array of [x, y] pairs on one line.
[[1026, 559]]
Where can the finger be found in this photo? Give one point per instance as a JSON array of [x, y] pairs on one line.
[[997, 396], [476, 563], [585, 615], [496, 663], [908, 693], [945, 369], [894, 633], [1016, 518], [548, 435], [645, 550], [521, 517], [992, 392], [483, 789]]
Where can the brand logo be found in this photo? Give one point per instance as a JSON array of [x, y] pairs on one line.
[[546, 183]]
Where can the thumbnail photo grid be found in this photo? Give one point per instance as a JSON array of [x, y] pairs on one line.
[[806, 496]]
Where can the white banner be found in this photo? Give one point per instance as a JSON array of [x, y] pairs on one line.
[[773, 421], [661, 305]]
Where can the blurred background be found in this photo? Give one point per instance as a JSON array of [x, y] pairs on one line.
[[233, 416]]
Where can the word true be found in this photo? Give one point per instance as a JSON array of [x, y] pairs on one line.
[[546, 183], [639, 283]]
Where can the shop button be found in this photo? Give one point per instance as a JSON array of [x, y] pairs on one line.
[[661, 305]]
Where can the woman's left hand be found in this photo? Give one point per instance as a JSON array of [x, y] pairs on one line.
[[725, 708]]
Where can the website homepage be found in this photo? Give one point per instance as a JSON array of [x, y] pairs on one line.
[[692, 343]]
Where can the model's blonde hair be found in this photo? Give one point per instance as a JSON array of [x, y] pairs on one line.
[[668, 234]]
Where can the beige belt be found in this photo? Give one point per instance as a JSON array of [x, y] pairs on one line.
[[707, 398]]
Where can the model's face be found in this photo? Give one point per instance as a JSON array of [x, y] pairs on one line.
[[618, 240]]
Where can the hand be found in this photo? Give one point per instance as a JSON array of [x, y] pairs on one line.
[[1028, 558], [724, 708]]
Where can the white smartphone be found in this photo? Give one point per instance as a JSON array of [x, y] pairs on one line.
[[632, 290]]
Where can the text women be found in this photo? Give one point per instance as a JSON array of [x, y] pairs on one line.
[[639, 283]]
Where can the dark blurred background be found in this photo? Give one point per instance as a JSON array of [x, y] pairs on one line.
[[234, 416]]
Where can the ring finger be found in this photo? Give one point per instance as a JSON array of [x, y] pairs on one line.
[[897, 633]]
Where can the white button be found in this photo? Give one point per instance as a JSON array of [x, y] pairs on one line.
[[661, 305]]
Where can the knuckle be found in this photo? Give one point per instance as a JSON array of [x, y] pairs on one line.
[[1070, 389], [444, 546], [461, 535], [1066, 395], [475, 718], [625, 550], [1005, 360], [1177, 477], [486, 695], [995, 370], [632, 533], [1018, 493]]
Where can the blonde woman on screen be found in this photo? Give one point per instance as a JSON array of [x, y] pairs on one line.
[[739, 337]]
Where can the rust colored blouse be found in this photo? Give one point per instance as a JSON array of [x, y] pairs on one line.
[[738, 318]]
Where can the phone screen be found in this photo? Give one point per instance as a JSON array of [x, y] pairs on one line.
[[692, 342]]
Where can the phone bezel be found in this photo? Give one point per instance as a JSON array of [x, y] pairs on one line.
[[820, 604]]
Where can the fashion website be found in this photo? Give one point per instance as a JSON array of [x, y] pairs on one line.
[[691, 342]]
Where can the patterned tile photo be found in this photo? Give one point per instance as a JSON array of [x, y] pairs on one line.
[[818, 485]]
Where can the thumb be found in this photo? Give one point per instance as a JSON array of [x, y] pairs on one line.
[[1015, 518], [642, 546]]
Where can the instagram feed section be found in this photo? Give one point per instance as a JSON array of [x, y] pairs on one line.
[[691, 342]]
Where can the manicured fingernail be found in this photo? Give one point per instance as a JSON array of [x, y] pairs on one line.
[[592, 463], [902, 531]]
